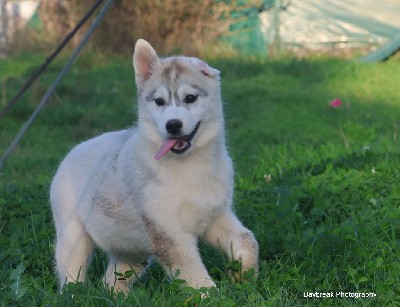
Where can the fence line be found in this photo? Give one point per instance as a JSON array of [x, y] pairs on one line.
[[44, 66], [53, 86]]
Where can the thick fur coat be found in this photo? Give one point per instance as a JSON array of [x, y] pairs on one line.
[[112, 192]]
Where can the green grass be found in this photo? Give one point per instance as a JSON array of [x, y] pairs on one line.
[[327, 221]]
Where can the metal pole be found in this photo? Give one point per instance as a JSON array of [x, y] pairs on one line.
[[276, 44], [53, 86]]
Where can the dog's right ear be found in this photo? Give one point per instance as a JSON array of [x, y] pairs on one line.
[[145, 61]]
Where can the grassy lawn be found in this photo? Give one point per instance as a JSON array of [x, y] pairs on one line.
[[319, 186]]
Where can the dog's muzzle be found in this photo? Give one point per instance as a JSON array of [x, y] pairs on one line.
[[185, 142], [177, 145]]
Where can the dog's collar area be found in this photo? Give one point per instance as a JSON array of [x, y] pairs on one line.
[[185, 142]]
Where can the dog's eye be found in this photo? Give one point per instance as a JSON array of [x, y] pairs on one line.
[[159, 101], [190, 98]]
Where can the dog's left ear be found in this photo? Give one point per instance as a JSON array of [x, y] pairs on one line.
[[204, 68], [145, 61]]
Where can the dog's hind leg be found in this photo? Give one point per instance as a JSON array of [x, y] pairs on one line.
[[120, 275], [227, 233], [74, 249]]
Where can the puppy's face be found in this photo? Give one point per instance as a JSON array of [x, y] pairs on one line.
[[179, 101]]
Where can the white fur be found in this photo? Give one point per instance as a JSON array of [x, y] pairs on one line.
[[110, 191]]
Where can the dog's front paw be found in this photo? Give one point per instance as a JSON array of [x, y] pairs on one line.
[[202, 283], [238, 273]]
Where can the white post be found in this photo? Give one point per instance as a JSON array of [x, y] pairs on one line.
[[3, 28]]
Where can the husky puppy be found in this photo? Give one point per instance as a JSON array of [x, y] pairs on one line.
[[153, 190]]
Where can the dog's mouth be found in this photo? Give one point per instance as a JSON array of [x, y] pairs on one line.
[[177, 145]]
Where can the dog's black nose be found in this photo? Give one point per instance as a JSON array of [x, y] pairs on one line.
[[174, 126]]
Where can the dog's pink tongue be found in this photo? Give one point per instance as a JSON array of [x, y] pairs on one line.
[[165, 147]]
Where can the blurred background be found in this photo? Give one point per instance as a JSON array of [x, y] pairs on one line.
[[209, 27]]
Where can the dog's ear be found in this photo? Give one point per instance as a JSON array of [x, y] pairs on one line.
[[204, 68], [145, 60]]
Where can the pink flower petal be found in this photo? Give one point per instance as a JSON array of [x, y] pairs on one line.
[[334, 103]]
